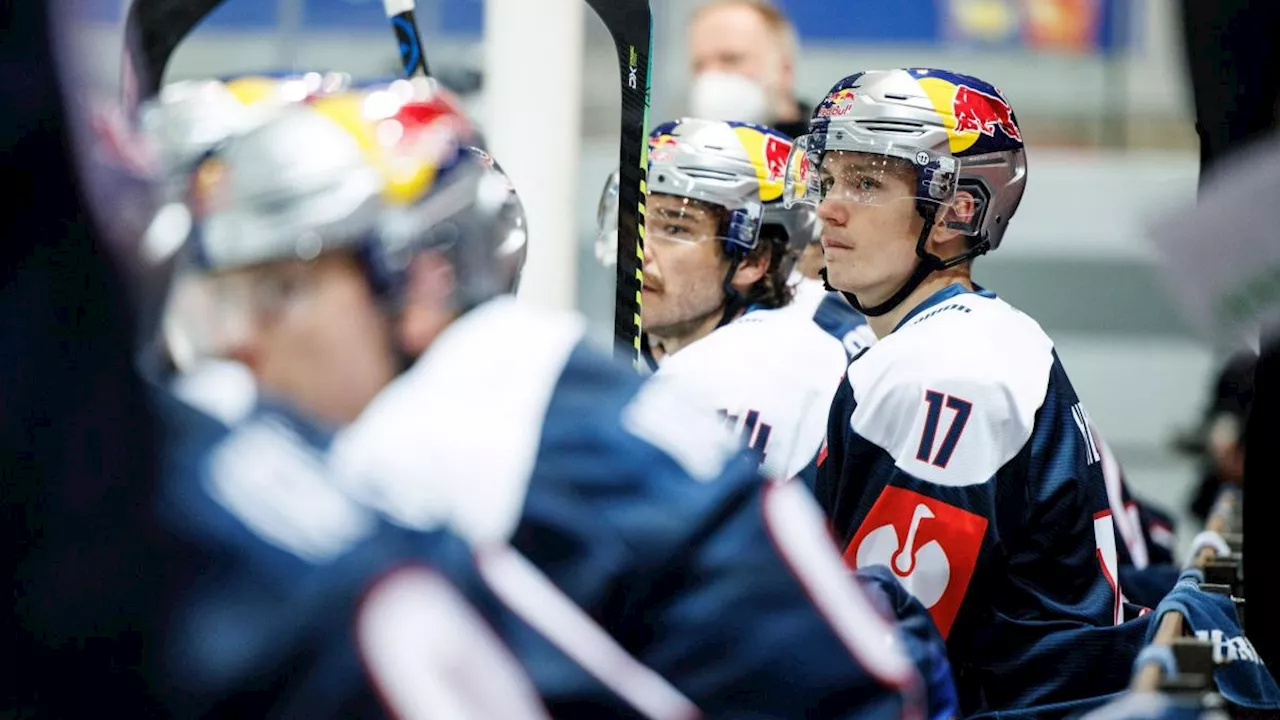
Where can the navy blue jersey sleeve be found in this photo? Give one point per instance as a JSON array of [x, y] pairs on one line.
[[742, 624], [840, 320], [305, 605], [923, 642]]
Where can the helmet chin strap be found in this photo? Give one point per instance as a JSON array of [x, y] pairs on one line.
[[927, 264], [733, 302]]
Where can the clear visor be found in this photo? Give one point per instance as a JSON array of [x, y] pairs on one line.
[[669, 219], [675, 220], [849, 169]]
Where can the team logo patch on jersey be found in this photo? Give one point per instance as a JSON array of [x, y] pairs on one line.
[[931, 546]]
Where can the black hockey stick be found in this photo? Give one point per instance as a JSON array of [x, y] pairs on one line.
[[153, 30], [630, 22], [404, 22]]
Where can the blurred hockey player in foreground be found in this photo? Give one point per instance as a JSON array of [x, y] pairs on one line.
[[718, 253], [361, 255], [958, 454]]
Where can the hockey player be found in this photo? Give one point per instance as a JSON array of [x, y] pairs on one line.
[[304, 604], [809, 295], [719, 249], [958, 453], [361, 256]]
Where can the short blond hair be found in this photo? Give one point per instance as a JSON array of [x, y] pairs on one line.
[[777, 22]]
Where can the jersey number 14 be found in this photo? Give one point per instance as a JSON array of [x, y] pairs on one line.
[[754, 434]]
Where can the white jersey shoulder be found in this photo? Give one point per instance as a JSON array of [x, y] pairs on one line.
[[952, 395], [772, 373], [809, 294], [455, 438]]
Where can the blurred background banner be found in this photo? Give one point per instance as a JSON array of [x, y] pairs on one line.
[[1075, 26]]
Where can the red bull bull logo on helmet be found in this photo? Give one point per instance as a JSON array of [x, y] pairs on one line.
[[978, 119], [976, 111], [660, 147], [776, 152], [838, 103], [796, 184], [805, 166], [768, 154]]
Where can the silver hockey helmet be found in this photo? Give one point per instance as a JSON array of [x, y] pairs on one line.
[[958, 132], [382, 172], [731, 165]]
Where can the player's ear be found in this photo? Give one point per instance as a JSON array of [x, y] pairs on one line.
[[947, 236], [428, 301], [752, 267]]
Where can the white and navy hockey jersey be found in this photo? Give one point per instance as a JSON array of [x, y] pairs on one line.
[[639, 509], [959, 456], [301, 603], [831, 312], [771, 375]]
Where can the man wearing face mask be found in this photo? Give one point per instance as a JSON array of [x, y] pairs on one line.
[[743, 55], [743, 60]]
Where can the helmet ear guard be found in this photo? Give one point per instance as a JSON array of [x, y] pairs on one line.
[[742, 232], [976, 189]]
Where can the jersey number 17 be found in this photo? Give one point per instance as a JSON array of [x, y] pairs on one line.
[[930, 450]]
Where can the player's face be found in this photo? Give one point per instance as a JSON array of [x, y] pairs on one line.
[[684, 267], [870, 224], [313, 335], [735, 39]]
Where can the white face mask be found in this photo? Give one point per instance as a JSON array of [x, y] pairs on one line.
[[725, 96]]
